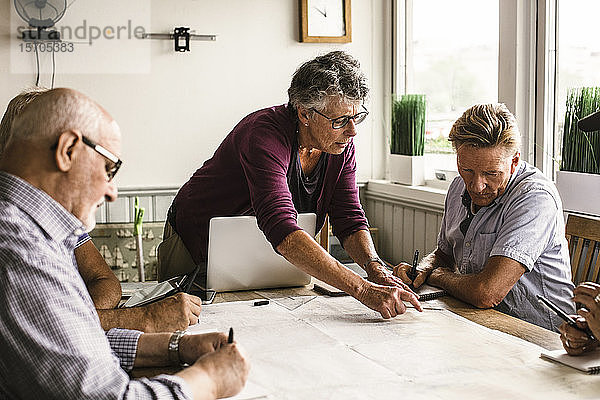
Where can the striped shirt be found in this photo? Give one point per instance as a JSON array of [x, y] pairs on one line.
[[82, 239], [52, 343]]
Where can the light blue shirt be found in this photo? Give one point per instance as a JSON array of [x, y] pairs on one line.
[[525, 224]]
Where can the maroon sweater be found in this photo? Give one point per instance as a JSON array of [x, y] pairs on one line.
[[247, 176]]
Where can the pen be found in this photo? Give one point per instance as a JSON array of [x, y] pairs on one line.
[[413, 270], [567, 318], [189, 279], [230, 338]]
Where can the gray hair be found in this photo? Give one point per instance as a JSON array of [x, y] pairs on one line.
[[487, 125], [14, 108], [335, 74], [56, 111]]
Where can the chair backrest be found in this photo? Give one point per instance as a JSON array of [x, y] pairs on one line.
[[583, 235]]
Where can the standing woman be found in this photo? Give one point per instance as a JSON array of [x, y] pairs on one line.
[[284, 160]]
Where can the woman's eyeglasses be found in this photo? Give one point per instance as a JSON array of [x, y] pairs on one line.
[[340, 122]]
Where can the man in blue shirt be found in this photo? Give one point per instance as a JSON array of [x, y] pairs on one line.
[[502, 238]]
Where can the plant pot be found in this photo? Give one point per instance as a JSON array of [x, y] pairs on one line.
[[407, 170], [579, 192]]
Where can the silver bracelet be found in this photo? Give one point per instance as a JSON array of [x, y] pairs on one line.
[[174, 357]]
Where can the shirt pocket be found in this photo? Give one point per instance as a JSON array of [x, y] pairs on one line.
[[482, 246]]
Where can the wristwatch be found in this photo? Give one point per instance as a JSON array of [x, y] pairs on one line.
[[174, 357], [377, 260]]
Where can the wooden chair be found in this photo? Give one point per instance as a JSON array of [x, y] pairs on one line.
[[583, 235]]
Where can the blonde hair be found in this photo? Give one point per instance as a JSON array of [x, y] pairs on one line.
[[486, 125], [14, 108]]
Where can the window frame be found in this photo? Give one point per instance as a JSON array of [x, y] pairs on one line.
[[526, 70]]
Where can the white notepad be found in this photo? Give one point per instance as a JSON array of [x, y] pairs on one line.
[[589, 362]]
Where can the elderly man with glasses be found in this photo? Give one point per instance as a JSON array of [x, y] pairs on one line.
[[284, 160], [175, 312], [56, 170], [502, 239]]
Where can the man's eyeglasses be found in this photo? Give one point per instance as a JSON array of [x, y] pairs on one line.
[[111, 170], [340, 122]]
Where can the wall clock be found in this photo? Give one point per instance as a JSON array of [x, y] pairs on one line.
[[325, 21]]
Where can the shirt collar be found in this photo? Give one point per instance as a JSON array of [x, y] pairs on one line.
[[50, 215]]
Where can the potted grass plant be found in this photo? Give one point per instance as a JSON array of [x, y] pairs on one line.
[[580, 163], [407, 140]]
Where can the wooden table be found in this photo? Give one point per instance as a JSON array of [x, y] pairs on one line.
[[489, 318]]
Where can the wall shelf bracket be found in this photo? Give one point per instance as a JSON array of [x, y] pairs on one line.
[[181, 37]]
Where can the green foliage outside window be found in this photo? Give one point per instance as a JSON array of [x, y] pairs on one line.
[[581, 150]]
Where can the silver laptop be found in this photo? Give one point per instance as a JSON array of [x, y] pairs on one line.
[[241, 258]]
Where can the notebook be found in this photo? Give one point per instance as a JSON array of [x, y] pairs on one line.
[[241, 258], [425, 292], [589, 363]]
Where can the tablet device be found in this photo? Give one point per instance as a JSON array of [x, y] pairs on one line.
[[162, 290]]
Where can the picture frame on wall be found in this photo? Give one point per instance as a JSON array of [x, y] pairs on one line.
[[325, 21]]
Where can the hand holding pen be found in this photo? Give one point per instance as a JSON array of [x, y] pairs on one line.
[[588, 295], [410, 273], [567, 318], [575, 335]]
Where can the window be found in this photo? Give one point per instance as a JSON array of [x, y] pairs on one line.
[[578, 55], [526, 54], [451, 56]]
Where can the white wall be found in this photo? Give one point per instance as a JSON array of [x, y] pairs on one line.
[[174, 117]]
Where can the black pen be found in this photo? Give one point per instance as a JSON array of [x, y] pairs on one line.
[[230, 338], [413, 270], [189, 279], [567, 318]]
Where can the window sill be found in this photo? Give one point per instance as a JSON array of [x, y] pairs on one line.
[[428, 196]]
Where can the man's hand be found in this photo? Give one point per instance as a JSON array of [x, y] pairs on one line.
[[192, 347], [382, 276], [387, 300], [402, 271], [576, 342], [227, 368], [588, 294], [173, 313]]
